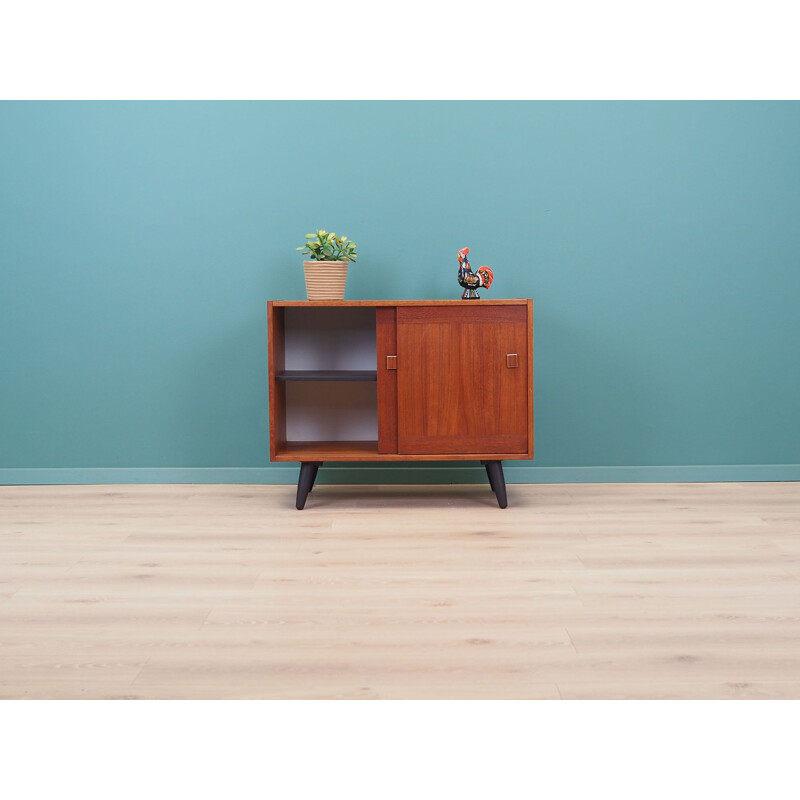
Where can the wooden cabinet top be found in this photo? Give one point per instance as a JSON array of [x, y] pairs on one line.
[[512, 301]]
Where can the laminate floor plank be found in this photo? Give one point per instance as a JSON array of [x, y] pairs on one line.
[[575, 591]]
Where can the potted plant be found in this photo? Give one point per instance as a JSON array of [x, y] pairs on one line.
[[326, 269]]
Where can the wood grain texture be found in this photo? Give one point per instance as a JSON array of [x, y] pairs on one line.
[[386, 321], [454, 314], [368, 451], [472, 445], [455, 391], [515, 301], [574, 591]]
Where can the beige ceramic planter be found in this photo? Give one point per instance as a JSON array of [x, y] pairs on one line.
[[325, 280]]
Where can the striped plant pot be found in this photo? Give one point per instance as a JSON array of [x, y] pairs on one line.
[[325, 280]]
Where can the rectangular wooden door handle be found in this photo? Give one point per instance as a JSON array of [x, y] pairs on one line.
[[391, 362], [512, 360]]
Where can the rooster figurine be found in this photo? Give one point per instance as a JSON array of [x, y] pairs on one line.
[[470, 280]]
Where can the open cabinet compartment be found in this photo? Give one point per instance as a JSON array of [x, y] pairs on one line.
[[323, 382]]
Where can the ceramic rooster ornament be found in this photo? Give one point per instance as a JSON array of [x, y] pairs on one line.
[[472, 281]]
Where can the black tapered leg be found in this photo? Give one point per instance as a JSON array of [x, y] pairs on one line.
[[494, 469], [314, 477], [489, 474], [308, 472]]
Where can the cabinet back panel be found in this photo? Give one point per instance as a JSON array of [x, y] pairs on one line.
[[330, 338], [334, 412]]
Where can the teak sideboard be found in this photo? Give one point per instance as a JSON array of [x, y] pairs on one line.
[[404, 380]]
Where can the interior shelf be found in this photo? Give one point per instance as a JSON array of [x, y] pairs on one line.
[[328, 375]]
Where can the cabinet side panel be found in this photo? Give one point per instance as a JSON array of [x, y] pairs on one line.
[[277, 390], [387, 380], [530, 379]]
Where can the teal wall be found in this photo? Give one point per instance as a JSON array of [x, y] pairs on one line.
[[139, 243]]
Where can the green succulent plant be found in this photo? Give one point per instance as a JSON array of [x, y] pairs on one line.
[[324, 246]]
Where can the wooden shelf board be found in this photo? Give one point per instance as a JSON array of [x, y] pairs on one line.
[[327, 375]]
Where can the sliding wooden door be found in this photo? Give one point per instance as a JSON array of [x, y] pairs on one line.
[[462, 379]]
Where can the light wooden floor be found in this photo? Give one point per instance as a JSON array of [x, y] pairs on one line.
[[574, 591]]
